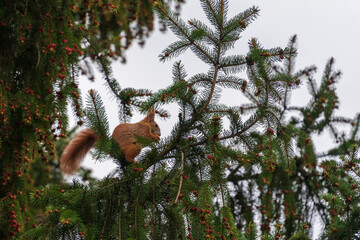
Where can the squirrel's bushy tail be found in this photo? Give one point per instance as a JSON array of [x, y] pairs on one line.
[[76, 151]]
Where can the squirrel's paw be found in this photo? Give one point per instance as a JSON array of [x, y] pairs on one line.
[[157, 138]]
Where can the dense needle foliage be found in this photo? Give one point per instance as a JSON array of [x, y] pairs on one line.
[[44, 47], [245, 171]]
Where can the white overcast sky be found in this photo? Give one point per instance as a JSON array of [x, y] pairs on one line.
[[325, 28]]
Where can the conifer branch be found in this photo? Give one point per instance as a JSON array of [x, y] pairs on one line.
[[181, 176], [243, 20], [39, 55], [106, 216], [275, 92], [274, 115], [186, 35], [242, 130], [199, 29], [229, 65], [286, 151], [212, 86], [96, 112], [253, 98], [119, 218], [354, 171], [153, 202], [246, 142], [106, 71], [174, 50], [214, 14], [222, 192], [200, 168], [237, 134], [178, 71], [214, 79], [312, 190], [135, 215], [237, 178], [336, 184], [169, 217], [231, 40], [49, 230], [227, 81]]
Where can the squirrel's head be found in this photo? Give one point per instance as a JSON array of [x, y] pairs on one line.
[[155, 129]]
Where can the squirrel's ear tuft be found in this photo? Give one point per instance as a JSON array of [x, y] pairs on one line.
[[151, 115]]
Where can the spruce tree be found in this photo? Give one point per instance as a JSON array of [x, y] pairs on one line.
[[247, 171], [44, 47]]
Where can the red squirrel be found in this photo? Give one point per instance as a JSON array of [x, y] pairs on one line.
[[125, 134]]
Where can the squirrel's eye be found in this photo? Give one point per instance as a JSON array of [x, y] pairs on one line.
[[156, 125]]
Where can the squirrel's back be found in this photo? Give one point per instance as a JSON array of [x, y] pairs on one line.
[[76, 151], [125, 134]]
